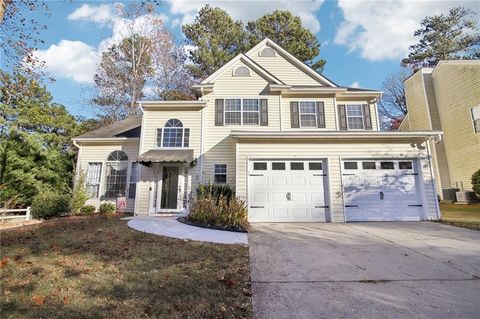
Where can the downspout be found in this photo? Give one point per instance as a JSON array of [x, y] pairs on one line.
[[437, 206], [202, 141]]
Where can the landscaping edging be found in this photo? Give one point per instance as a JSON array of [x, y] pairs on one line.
[[186, 222]]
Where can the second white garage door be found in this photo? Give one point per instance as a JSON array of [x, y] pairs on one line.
[[286, 191], [381, 190]]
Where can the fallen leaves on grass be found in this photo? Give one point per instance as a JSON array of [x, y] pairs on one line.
[[38, 300]]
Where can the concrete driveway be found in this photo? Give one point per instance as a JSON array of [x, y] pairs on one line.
[[365, 270]]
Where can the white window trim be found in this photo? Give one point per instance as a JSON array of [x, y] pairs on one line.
[[160, 145], [241, 111], [127, 180], [347, 116], [226, 173], [473, 119], [300, 114]]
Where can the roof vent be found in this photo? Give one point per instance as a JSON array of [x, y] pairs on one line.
[[267, 52], [241, 71]]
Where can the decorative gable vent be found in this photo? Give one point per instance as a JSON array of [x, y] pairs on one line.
[[267, 52], [241, 71]]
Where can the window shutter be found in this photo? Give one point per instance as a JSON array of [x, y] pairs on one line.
[[342, 117], [219, 112], [367, 118], [294, 116], [320, 115], [263, 112]]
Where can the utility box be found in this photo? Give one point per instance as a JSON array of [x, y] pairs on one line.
[[449, 194], [466, 197]]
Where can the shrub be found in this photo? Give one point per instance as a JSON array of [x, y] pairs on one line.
[[215, 191], [107, 208], [222, 213], [476, 182], [79, 194], [48, 204], [87, 210]]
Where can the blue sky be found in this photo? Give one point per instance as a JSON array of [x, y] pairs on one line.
[[362, 41]]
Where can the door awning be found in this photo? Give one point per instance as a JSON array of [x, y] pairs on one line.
[[166, 156]]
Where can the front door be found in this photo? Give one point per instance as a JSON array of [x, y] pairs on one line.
[[169, 188]]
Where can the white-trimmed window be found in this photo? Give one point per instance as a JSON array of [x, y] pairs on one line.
[[354, 116], [242, 111], [173, 135], [134, 178], [94, 173], [220, 173], [308, 114], [116, 170], [476, 118]]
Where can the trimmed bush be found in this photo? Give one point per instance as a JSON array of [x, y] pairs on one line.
[[48, 204], [107, 208], [87, 210], [476, 182], [219, 213], [215, 191]]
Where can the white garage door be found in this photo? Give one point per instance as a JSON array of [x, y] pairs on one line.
[[381, 190], [286, 191]]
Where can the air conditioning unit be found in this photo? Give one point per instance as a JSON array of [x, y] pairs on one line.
[[449, 194], [466, 197]]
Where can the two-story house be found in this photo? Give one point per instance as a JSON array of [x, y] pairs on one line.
[[293, 144], [447, 98]]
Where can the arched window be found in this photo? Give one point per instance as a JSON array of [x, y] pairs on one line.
[[241, 71], [173, 134], [116, 168], [267, 52]]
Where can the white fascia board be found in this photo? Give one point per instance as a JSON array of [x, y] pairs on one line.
[[336, 134], [104, 139]]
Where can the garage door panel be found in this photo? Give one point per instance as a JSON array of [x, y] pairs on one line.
[[279, 181], [299, 181], [380, 194], [289, 195]]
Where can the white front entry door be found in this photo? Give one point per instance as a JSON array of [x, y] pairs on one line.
[[286, 191], [381, 190]]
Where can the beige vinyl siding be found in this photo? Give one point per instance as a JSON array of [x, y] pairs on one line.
[[283, 69], [457, 88], [419, 116], [334, 152], [98, 152], [219, 147], [405, 125]]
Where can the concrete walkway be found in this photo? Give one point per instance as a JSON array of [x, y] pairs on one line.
[[171, 227], [365, 270]]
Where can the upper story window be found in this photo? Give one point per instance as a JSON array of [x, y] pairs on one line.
[[267, 52], [173, 135], [241, 71], [308, 114], [354, 117], [242, 111], [476, 118]]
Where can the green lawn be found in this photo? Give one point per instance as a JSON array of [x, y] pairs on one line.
[[99, 268], [467, 216]]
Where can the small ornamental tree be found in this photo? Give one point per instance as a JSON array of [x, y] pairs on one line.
[[476, 182], [79, 193]]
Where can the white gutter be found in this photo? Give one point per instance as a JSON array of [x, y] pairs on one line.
[[335, 134], [104, 139], [74, 141]]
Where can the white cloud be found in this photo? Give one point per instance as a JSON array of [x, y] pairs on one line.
[[355, 84], [102, 14], [380, 31], [71, 59], [251, 10], [77, 60]]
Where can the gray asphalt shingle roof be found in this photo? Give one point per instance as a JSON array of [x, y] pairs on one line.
[[114, 129]]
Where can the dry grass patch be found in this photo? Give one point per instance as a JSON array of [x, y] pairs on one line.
[[467, 216], [97, 267]]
